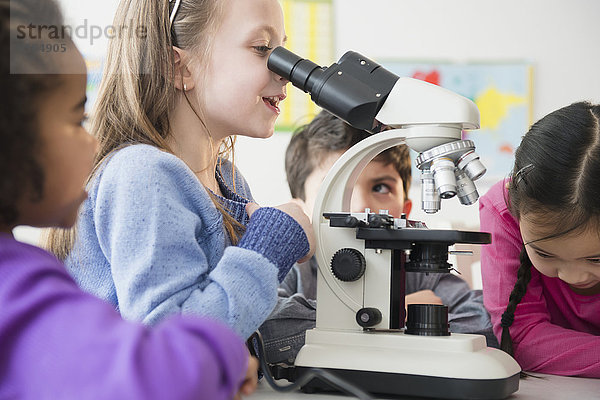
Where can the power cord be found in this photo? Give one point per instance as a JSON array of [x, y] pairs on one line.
[[310, 374]]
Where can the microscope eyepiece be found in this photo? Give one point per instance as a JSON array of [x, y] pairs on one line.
[[282, 62], [354, 89], [294, 68]]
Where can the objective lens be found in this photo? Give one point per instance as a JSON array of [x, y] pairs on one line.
[[445, 180], [430, 197], [466, 190], [471, 165]]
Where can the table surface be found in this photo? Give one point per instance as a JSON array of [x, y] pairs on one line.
[[543, 388]]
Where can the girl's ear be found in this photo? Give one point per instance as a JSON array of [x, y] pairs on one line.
[[183, 75]]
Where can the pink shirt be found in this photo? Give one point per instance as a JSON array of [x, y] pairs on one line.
[[555, 331]]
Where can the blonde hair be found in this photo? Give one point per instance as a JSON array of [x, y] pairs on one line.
[[137, 92]]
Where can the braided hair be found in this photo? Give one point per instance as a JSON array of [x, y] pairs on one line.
[[564, 144], [508, 317]]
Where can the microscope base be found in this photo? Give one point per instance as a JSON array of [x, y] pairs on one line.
[[393, 363]]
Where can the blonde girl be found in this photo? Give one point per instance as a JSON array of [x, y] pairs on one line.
[[169, 226]]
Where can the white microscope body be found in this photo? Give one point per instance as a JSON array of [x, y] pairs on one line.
[[359, 331]]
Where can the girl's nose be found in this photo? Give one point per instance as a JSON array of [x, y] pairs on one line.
[[572, 276]]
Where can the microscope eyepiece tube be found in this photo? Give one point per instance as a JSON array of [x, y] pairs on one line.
[[282, 62], [294, 68], [445, 180], [354, 89]]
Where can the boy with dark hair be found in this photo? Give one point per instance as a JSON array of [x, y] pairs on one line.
[[316, 146]]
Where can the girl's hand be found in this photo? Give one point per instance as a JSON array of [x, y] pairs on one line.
[[250, 380], [295, 209]]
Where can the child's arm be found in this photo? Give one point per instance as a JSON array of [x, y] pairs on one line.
[[284, 330], [290, 284], [539, 344], [58, 342], [161, 234], [449, 288]]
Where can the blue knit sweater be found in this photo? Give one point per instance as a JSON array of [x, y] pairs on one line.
[[151, 242]]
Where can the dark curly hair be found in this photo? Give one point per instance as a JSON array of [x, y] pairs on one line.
[[23, 84], [326, 134]]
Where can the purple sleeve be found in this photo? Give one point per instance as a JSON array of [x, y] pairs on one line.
[[539, 344], [59, 342]]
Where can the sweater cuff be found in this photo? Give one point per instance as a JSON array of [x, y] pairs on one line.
[[277, 236]]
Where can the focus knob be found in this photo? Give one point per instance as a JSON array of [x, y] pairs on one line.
[[348, 265], [368, 317]]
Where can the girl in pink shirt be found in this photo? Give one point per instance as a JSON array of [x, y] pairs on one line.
[[541, 274]]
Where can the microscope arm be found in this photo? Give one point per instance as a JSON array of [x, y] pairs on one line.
[[343, 175]]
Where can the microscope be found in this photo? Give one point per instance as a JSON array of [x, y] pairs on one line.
[[360, 332]]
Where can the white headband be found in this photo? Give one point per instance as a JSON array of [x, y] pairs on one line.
[[175, 8]]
